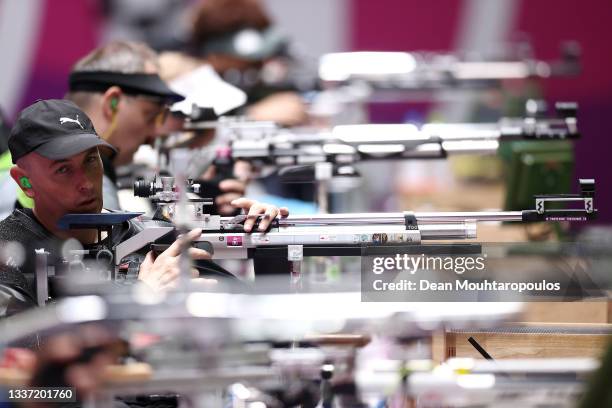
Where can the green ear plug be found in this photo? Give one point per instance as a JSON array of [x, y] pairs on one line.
[[25, 182]]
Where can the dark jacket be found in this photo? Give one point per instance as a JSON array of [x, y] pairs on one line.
[[17, 281], [16, 277], [18, 267]]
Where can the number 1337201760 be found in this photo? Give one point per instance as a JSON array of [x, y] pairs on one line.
[[38, 394]]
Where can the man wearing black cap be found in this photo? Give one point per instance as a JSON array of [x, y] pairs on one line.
[[119, 88], [57, 155]]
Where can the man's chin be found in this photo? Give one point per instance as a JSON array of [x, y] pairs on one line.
[[95, 208]]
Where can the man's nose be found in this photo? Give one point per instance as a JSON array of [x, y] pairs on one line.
[[84, 182]]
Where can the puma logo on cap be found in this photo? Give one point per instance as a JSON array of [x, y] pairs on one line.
[[66, 120]]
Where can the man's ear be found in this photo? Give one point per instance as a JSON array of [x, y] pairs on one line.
[[23, 180], [111, 100]]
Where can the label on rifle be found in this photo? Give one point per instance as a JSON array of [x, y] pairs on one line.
[[234, 241]]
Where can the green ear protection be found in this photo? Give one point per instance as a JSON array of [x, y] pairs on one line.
[[25, 182], [114, 103]]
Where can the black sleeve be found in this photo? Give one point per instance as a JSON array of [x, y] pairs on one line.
[[210, 189]]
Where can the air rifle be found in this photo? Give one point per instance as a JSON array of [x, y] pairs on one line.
[[333, 234], [263, 145], [418, 71], [295, 237]]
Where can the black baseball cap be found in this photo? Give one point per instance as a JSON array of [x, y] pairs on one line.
[[55, 129], [132, 84]]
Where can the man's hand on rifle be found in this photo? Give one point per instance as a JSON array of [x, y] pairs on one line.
[[256, 209], [162, 272]]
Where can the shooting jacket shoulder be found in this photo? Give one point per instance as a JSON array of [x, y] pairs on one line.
[[20, 235]]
